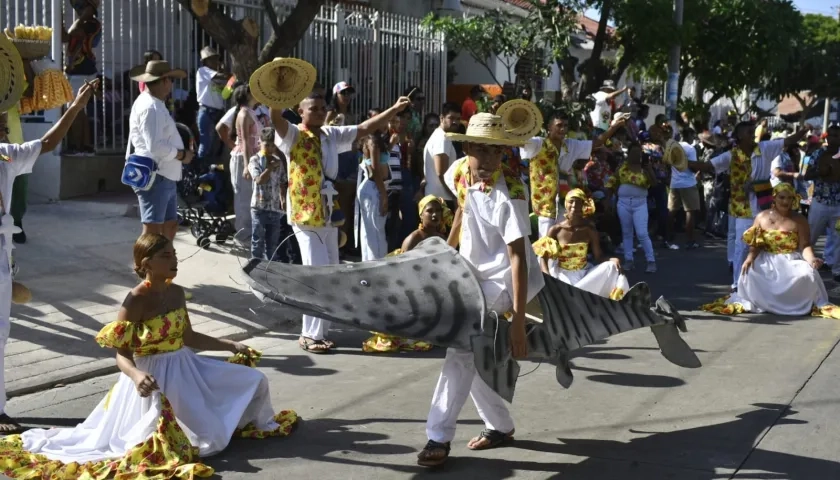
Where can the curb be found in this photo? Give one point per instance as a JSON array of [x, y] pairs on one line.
[[103, 371]]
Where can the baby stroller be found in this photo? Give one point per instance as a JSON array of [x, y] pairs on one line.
[[206, 198]]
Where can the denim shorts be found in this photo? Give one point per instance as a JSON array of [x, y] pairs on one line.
[[159, 204]]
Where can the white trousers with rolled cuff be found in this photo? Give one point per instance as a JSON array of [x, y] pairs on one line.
[[5, 314], [318, 247], [458, 378]]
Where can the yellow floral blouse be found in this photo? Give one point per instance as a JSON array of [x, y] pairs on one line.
[[543, 172], [164, 333], [626, 176], [569, 256], [305, 179], [740, 171], [772, 241]]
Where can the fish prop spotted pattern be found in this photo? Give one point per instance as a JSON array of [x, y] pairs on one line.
[[433, 294]]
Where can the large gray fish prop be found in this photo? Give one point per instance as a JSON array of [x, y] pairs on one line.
[[432, 293]]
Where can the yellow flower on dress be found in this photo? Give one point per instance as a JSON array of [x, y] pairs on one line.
[[625, 176], [569, 256]]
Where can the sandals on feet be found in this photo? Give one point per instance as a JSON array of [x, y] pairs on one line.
[[430, 456], [318, 347], [6, 422], [494, 438]]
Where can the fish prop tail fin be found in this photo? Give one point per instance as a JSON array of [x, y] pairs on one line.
[[671, 344], [563, 372]]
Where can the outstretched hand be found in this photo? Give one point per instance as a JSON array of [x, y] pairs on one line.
[[402, 103]]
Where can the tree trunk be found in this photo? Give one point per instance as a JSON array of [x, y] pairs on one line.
[[239, 37], [588, 79], [567, 74], [624, 63]]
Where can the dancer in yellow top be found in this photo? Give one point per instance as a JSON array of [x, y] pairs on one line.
[[569, 242], [781, 273], [169, 407]]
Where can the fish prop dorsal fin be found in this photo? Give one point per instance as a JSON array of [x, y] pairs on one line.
[[638, 296]]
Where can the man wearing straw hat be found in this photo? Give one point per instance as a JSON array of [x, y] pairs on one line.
[[492, 227], [153, 134], [18, 160], [312, 150]]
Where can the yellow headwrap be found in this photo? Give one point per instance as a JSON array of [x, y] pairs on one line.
[[448, 217], [588, 203], [786, 187]]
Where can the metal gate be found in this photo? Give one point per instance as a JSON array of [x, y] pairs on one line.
[[380, 53]]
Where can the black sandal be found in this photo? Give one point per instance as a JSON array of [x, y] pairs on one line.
[[495, 437], [431, 446], [7, 420], [307, 343]]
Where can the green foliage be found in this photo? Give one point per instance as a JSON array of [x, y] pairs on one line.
[[814, 63], [543, 36]]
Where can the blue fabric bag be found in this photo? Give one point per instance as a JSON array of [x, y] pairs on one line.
[[139, 172]]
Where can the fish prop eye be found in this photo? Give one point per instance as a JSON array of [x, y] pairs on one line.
[[365, 283]]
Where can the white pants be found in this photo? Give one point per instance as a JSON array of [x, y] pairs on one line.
[[458, 379], [730, 240], [741, 250], [633, 215], [242, 191], [5, 323], [318, 247], [370, 224], [820, 218]]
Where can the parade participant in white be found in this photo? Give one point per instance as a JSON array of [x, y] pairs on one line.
[[312, 152], [550, 166], [439, 153], [749, 167], [18, 160], [569, 242], [492, 225]]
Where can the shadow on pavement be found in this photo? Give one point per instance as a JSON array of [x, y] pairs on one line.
[[322, 440]]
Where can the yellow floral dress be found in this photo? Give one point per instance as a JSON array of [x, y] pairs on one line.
[[202, 403], [573, 268], [382, 343], [780, 281], [625, 176]]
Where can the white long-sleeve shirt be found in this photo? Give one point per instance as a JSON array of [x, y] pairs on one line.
[[153, 134]]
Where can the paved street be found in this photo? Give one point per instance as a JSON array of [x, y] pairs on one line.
[[764, 404]]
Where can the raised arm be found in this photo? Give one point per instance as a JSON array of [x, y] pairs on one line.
[[281, 125], [56, 134], [796, 137], [381, 121]]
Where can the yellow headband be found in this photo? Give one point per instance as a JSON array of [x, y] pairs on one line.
[[588, 203], [786, 187], [448, 217]]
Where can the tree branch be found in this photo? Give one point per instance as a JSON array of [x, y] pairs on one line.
[[285, 37], [223, 29], [268, 8]]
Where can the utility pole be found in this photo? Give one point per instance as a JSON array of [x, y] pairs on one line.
[[674, 68]]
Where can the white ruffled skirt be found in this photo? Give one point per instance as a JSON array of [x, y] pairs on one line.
[[210, 398], [604, 279], [780, 283]]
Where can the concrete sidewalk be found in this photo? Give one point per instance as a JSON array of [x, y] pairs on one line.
[[78, 263]]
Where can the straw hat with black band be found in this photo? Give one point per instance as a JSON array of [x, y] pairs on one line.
[[154, 71], [522, 118], [283, 82], [488, 129], [12, 80], [674, 155]]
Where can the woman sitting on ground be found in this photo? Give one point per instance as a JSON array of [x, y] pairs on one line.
[[435, 218], [169, 406], [781, 272], [567, 244]]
